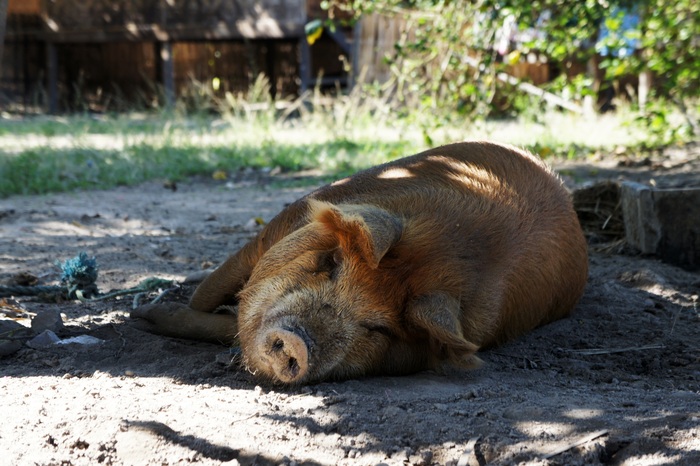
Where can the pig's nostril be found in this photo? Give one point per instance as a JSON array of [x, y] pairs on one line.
[[278, 345], [293, 367]]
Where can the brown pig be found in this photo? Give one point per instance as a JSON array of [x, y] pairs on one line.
[[403, 267]]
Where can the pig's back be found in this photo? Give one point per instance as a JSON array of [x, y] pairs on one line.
[[486, 223]]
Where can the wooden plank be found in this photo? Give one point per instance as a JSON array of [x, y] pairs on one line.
[[366, 45], [166, 71], [270, 61], [52, 76], [304, 65], [663, 222], [24, 7], [355, 55], [153, 32], [339, 37], [112, 20], [3, 23]]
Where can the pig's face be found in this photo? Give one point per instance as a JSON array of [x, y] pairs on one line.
[[318, 306], [311, 309]]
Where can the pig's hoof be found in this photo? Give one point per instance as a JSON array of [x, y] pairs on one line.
[[286, 355], [156, 318]]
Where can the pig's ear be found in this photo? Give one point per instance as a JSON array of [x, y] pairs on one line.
[[364, 228], [436, 314]]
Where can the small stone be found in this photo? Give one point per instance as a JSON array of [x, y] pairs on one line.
[[226, 358], [423, 458], [401, 454], [80, 340], [13, 332], [44, 339], [392, 412], [47, 319], [8, 347]]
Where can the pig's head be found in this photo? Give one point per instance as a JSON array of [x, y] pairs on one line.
[[328, 302]]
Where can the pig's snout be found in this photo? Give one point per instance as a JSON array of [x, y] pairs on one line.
[[286, 352]]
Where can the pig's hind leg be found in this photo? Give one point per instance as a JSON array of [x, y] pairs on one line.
[[181, 321]]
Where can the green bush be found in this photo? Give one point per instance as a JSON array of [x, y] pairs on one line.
[[447, 62]]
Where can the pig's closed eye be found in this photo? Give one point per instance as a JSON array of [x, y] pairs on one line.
[[382, 329], [329, 261]]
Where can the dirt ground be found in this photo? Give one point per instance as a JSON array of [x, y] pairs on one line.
[[616, 383]]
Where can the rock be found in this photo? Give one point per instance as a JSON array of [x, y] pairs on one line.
[[8, 347], [229, 357], [13, 336], [80, 340], [47, 319], [44, 339]]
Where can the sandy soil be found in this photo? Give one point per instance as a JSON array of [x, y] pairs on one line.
[[616, 383]]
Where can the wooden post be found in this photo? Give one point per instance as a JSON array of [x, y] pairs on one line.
[[165, 69], [52, 76], [645, 83], [271, 58], [355, 54], [304, 64], [3, 23]]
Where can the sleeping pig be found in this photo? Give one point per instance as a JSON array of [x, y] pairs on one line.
[[407, 266]]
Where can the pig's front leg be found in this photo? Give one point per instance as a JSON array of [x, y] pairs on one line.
[[202, 319], [223, 284], [181, 321]]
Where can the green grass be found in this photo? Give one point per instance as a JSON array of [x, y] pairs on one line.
[[43, 155]]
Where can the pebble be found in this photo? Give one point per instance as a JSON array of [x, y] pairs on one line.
[[224, 358], [391, 412], [80, 340], [401, 454], [47, 319], [8, 347], [16, 330], [44, 339], [426, 457]]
